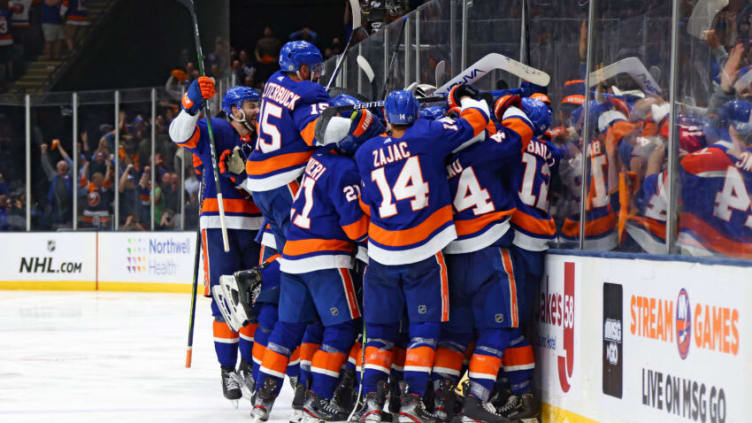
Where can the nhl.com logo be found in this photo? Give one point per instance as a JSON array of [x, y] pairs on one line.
[[683, 324]]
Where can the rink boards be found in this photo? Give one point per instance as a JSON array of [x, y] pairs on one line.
[[630, 339], [105, 261]]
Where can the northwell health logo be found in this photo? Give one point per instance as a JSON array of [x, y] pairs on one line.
[[155, 256]]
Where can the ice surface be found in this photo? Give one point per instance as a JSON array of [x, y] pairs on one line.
[[111, 357]]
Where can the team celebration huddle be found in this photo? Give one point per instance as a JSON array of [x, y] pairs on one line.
[[384, 257]]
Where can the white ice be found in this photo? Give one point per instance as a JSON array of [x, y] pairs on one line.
[[111, 357]]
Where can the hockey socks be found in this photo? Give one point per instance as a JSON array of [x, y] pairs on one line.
[[486, 361], [245, 343], [225, 344], [519, 364], [420, 354]]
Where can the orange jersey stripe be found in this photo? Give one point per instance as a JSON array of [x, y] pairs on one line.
[[518, 356], [509, 269], [349, 287], [275, 361], [272, 164], [222, 330], [365, 207], [331, 361], [444, 287], [476, 119], [603, 225], [713, 239], [521, 127], [656, 227], [471, 226], [485, 365], [401, 238], [232, 205], [420, 356], [448, 359], [192, 142], [305, 246], [533, 224], [357, 230], [206, 263], [308, 132]]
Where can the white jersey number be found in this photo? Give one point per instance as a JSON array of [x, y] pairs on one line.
[[528, 183], [270, 139], [409, 184], [470, 194], [302, 220], [733, 196]]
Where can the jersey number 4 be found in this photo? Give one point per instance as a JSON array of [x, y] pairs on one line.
[[409, 185], [733, 196]]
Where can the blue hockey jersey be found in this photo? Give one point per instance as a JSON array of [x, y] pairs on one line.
[[326, 219], [240, 211], [717, 205], [287, 120], [404, 187], [482, 183]]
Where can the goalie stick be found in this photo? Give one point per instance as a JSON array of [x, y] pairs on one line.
[[631, 66], [356, 25], [493, 61], [194, 288], [702, 16], [438, 73], [368, 71], [213, 150]]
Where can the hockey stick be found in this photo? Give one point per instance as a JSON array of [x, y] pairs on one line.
[[362, 371], [197, 40], [194, 289], [493, 61], [438, 73], [356, 17], [368, 70], [631, 66], [702, 16], [393, 58]]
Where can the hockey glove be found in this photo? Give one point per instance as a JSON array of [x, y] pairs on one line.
[[232, 165], [364, 126], [505, 102], [199, 90], [459, 91]]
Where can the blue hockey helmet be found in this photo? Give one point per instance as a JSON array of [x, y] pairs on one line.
[[236, 96], [297, 53], [738, 113], [538, 113], [432, 113], [344, 100], [401, 108]]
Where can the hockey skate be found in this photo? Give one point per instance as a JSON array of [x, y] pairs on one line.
[[444, 400], [230, 385], [524, 407], [318, 409], [245, 379], [370, 408], [265, 396], [413, 409], [343, 394], [476, 411], [298, 401]]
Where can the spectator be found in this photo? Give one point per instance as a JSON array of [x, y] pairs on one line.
[[132, 223], [305, 34], [21, 24], [130, 203], [168, 220], [98, 194], [267, 49], [59, 197], [3, 186], [219, 57], [177, 84], [4, 208], [8, 51], [76, 20], [170, 190], [17, 213], [52, 28]]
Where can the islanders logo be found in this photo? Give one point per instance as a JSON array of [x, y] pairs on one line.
[[683, 323]]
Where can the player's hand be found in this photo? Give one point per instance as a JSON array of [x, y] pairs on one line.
[[505, 102], [459, 91], [43, 147], [199, 90], [231, 164], [364, 126]]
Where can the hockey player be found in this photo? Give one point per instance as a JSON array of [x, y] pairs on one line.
[[242, 217], [405, 192], [716, 183], [533, 228], [316, 282], [483, 274], [290, 105]]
